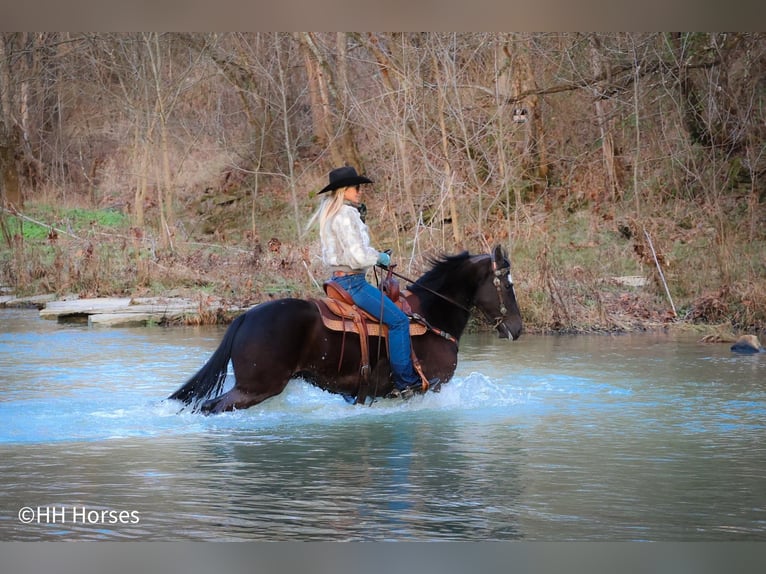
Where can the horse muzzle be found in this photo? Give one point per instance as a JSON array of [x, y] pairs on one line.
[[511, 332]]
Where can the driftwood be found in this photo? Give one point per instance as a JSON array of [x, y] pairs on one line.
[[126, 311]]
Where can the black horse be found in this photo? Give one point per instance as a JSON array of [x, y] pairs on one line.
[[286, 338]]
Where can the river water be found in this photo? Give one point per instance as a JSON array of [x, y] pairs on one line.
[[640, 437]]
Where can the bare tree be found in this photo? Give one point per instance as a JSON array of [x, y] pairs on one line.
[[327, 73], [604, 116], [10, 131]]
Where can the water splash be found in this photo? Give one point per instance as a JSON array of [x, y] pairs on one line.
[[90, 413]]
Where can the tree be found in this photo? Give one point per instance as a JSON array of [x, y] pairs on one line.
[[328, 88], [10, 129]]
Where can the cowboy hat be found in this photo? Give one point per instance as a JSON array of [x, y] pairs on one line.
[[344, 177]]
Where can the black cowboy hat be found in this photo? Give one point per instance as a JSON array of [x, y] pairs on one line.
[[344, 177]]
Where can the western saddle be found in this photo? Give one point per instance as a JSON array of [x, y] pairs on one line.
[[340, 313]]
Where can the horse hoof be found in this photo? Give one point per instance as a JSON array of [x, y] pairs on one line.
[[405, 394], [210, 407], [435, 385]]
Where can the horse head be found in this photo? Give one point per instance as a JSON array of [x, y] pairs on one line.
[[495, 296]]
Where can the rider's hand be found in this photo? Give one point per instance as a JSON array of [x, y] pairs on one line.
[[384, 259]]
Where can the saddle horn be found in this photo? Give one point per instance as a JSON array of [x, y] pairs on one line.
[[390, 285]]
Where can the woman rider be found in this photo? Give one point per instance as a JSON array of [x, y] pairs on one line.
[[346, 250]]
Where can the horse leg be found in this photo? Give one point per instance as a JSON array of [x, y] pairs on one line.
[[236, 399], [267, 353], [254, 383]]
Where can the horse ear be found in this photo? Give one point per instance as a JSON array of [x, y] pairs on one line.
[[498, 254]]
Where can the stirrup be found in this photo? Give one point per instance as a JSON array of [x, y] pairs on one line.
[[406, 393], [433, 385]]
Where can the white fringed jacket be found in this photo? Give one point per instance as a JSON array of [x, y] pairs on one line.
[[346, 242]]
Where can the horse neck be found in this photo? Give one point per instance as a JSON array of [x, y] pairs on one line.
[[444, 313]]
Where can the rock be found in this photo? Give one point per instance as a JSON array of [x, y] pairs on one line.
[[747, 344], [35, 301]]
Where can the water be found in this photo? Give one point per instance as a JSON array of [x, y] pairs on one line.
[[547, 438]]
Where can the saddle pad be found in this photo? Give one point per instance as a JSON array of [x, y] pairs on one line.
[[329, 309]]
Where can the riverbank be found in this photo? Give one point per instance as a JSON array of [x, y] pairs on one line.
[[623, 313], [573, 272]]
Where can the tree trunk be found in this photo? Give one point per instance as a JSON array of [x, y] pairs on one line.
[[523, 78], [407, 129], [343, 87], [140, 155], [317, 110], [328, 100], [288, 142], [10, 186], [449, 174], [322, 108], [601, 67]]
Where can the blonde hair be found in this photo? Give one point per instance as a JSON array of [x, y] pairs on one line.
[[327, 209]]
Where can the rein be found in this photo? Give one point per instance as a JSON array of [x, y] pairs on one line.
[[413, 282], [419, 318]]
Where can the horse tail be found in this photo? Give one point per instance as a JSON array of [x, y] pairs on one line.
[[208, 381]]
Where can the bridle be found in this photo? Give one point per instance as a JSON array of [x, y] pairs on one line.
[[499, 272]]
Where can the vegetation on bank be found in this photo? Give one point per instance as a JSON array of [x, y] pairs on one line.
[[623, 172], [572, 272]]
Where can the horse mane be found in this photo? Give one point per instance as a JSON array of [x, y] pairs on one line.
[[442, 267]]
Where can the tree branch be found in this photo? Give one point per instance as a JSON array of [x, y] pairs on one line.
[[614, 73]]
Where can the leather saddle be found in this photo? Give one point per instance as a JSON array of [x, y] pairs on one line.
[[340, 313]]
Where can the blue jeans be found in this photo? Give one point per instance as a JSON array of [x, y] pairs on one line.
[[368, 297]]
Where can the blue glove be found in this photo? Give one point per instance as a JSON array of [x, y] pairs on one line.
[[384, 259]]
